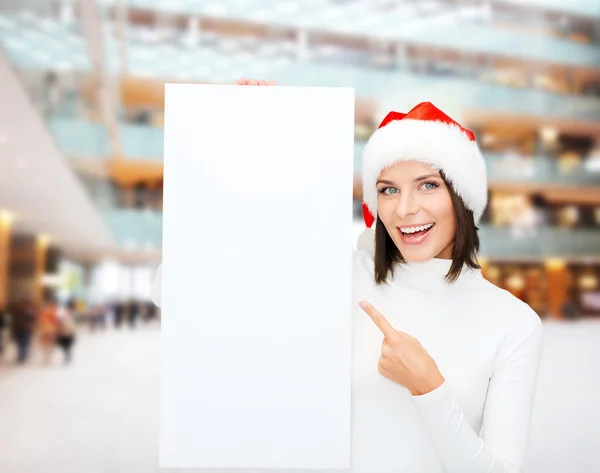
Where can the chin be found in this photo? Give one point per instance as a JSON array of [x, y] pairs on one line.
[[416, 255]]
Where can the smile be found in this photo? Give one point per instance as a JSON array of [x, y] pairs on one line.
[[415, 234]]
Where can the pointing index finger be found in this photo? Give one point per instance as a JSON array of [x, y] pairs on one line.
[[386, 328]]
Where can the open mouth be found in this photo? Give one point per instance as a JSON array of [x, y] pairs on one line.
[[415, 233]]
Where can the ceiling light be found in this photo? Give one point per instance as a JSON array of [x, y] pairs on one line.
[[43, 239], [549, 134], [488, 139], [555, 263], [6, 217]]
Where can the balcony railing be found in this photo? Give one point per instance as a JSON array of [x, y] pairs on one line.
[[136, 230], [542, 243], [80, 138], [86, 139], [142, 230], [395, 86]]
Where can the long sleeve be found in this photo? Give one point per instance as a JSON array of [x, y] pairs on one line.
[[502, 446]]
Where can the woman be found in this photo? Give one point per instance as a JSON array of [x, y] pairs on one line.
[[48, 325], [445, 380], [67, 331]]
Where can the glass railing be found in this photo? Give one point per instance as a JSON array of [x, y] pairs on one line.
[[511, 44], [80, 138], [449, 92], [142, 142], [384, 86], [88, 140], [544, 243], [142, 230], [34, 41], [540, 170], [589, 8], [136, 230]]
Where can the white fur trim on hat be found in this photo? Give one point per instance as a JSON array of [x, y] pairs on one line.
[[445, 147]]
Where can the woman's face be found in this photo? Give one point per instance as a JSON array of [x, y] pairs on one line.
[[415, 207]]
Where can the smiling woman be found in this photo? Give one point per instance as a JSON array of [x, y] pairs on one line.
[[425, 188]]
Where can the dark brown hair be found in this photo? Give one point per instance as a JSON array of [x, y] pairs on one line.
[[466, 243]]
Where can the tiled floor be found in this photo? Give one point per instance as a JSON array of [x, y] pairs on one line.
[[100, 415]]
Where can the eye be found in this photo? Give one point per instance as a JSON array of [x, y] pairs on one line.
[[430, 185], [388, 190]]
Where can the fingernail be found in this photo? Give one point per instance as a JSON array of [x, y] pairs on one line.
[[362, 304]]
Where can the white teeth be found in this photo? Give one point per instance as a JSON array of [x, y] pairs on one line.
[[416, 229]]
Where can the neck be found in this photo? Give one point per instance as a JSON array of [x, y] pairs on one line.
[[430, 275]]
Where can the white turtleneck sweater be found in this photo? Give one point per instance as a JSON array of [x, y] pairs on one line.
[[486, 343]]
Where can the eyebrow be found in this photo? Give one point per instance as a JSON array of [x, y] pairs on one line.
[[420, 178]]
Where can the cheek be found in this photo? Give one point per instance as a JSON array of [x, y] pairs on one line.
[[385, 209], [445, 215]]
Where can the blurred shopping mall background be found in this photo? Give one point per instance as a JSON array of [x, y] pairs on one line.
[[81, 177]]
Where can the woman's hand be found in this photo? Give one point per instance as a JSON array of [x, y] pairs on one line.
[[244, 81], [403, 358]]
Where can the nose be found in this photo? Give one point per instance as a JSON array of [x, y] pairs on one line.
[[407, 205]]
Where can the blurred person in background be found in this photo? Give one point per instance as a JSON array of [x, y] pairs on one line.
[[53, 92], [48, 325], [67, 330], [524, 219], [424, 191], [23, 321], [570, 310], [132, 310], [98, 315], [592, 163], [151, 311], [542, 210], [119, 310]]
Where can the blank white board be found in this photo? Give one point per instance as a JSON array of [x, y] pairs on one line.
[[257, 278]]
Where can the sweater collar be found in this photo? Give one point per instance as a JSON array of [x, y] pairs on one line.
[[430, 275]]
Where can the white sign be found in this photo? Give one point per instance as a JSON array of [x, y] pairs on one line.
[[257, 278]]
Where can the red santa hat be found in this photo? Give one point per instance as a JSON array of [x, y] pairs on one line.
[[427, 135]]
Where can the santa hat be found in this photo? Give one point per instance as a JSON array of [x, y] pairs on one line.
[[427, 135]]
